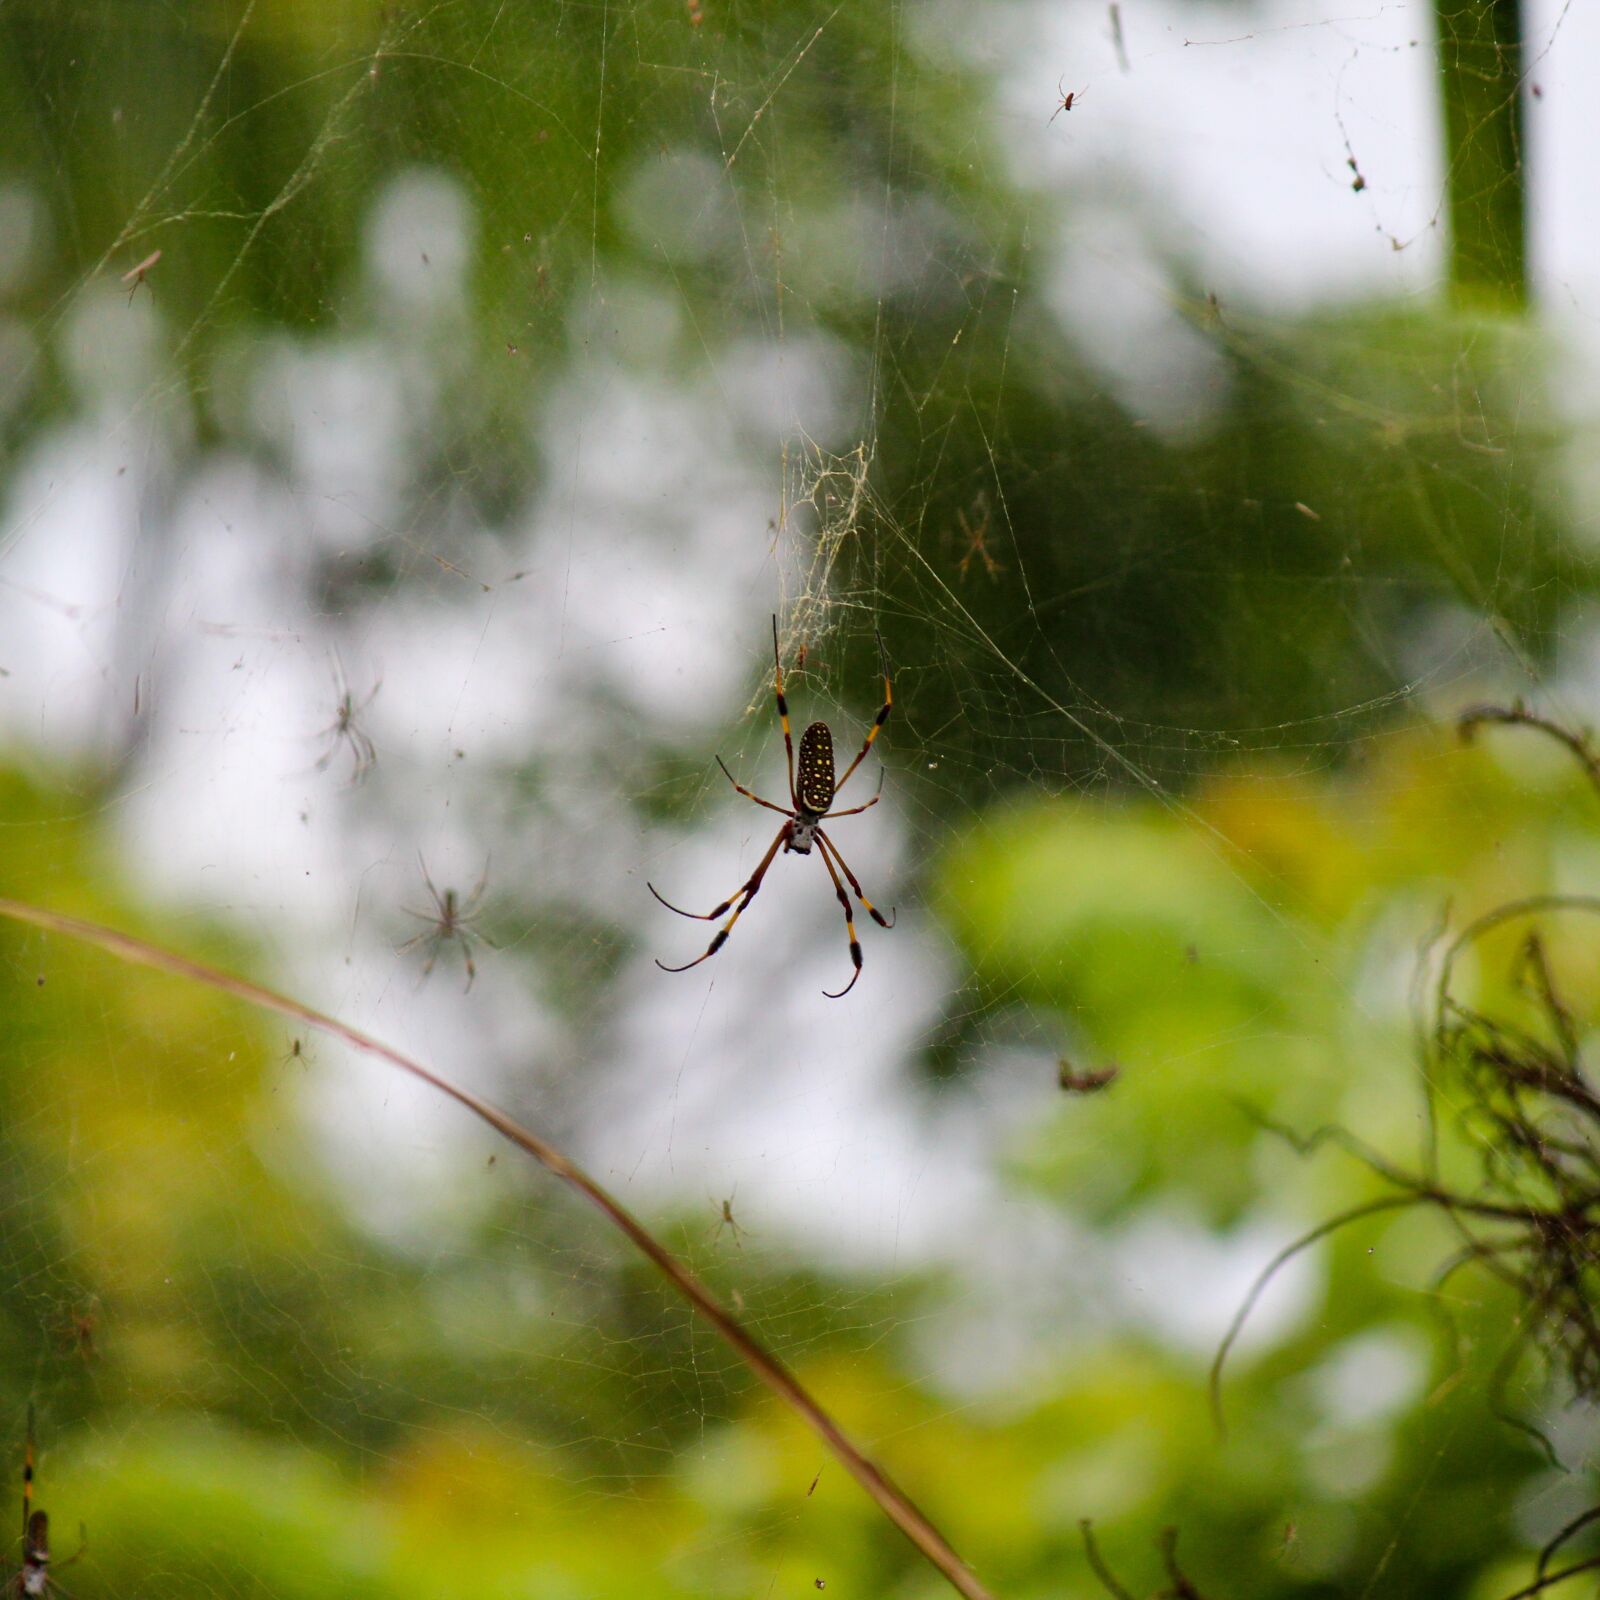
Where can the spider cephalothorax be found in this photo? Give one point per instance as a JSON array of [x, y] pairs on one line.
[[811, 794]]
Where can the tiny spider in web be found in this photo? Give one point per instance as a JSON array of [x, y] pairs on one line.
[[34, 1577], [450, 922], [726, 1219], [977, 541], [1068, 101], [811, 793], [75, 1332], [346, 732], [135, 275]]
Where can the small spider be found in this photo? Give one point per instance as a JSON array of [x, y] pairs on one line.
[[811, 793], [345, 731], [76, 1331], [725, 1219], [1068, 101], [135, 275], [977, 541], [34, 1577], [450, 921]]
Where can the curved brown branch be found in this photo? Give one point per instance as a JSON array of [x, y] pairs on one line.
[[1097, 1563], [1577, 1525], [891, 1500], [1553, 1578], [1182, 1588], [1518, 715], [1270, 1271], [1531, 906]]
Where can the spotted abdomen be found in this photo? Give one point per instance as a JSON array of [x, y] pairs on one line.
[[814, 782]]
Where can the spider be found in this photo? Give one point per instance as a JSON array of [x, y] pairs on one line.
[[34, 1576], [810, 795], [450, 920], [976, 541], [76, 1331], [1068, 101], [726, 1219], [135, 275], [346, 730]]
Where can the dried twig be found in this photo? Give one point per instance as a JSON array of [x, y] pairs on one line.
[[1097, 1563], [1578, 1523], [891, 1500], [1551, 1579], [1182, 1588], [1518, 715]]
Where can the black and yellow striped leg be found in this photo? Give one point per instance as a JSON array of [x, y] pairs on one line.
[[849, 928], [783, 715], [27, 1477], [828, 816], [853, 811], [829, 847], [743, 896], [750, 794], [877, 722]]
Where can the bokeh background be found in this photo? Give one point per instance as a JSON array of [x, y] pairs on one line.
[[1199, 453]]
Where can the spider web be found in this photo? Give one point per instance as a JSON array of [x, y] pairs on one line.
[[418, 512]]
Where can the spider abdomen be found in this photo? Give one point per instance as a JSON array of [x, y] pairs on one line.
[[814, 779]]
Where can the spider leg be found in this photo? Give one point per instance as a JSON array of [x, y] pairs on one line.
[[83, 1545], [438, 899], [783, 715], [831, 848], [877, 722], [470, 904], [27, 1480], [747, 887], [749, 794], [853, 810], [744, 897], [849, 928]]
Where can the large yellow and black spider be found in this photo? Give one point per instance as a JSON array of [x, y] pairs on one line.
[[811, 794]]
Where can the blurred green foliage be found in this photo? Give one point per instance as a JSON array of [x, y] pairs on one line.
[[267, 1401]]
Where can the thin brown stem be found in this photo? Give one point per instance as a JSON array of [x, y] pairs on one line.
[[1182, 1588], [1553, 1578], [1518, 715], [1270, 1271], [1097, 1563], [1577, 1525], [891, 1500]]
